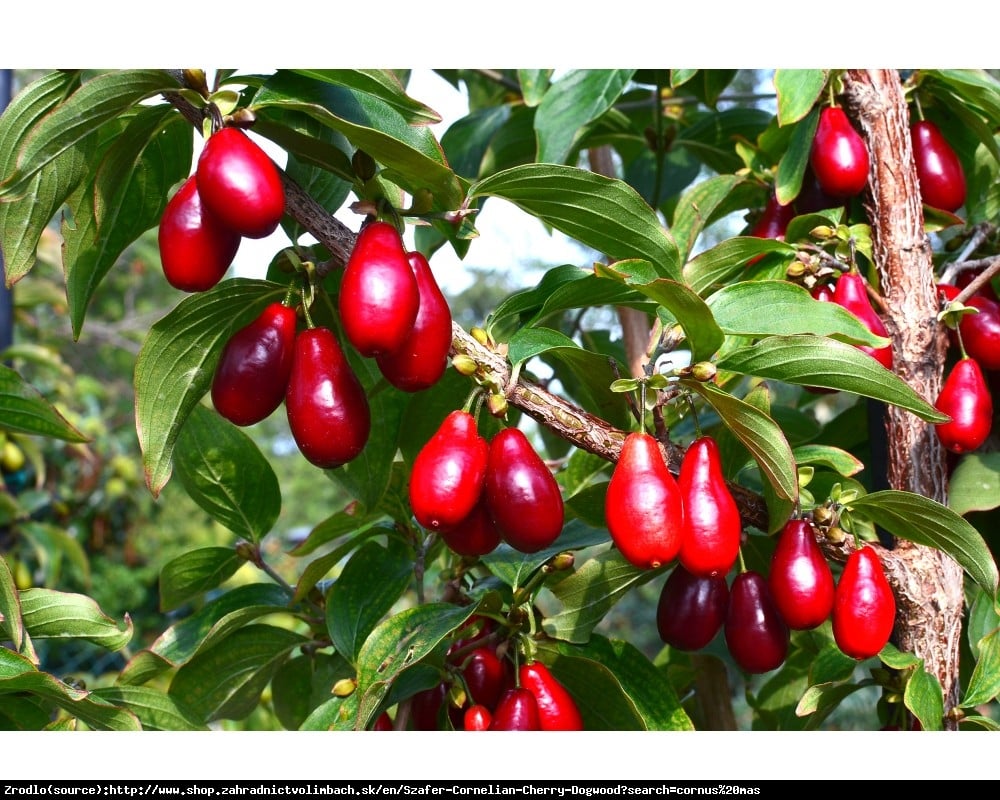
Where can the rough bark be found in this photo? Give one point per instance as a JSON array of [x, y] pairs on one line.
[[928, 584]]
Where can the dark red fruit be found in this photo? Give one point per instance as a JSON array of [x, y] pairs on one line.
[[521, 493], [196, 248], [966, 398], [849, 292], [379, 298], [839, 157], [864, 608], [557, 710], [691, 609], [328, 412], [383, 722], [981, 332], [240, 184], [710, 540], [423, 357], [477, 718], [800, 579], [425, 708], [756, 635], [448, 473], [252, 375], [485, 676], [772, 224], [516, 711], [643, 507], [942, 179], [474, 536]]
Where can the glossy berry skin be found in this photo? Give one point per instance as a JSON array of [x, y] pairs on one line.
[[557, 710], [966, 398], [942, 179], [864, 608], [773, 223], [849, 292], [516, 711], [756, 634], [240, 184], [383, 722], [252, 375], [423, 356], [477, 718], [447, 477], [522, 494], [379, 298], [800, 579], [981, 332], [710, 540], [474, 536], [691, 609], [485, 676], [643, 507], [196, 248], [839, 156], [425, 707], [327, 409]]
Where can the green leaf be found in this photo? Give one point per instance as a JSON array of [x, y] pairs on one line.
[[58, 541], [155, 710], [983, 618], [380, 83], [97, 101], [177, 361], [467, 140], [823, 698], [577, 98], [792, 167], [195, 572], [336, 714], [514, 567], [775, 308], [225, 681], [925, 700], [699, 206], [355, 603], [975, 483], [10, 607], [798, 90], [23, 409], [818, 361], [840, 461], [924, 521], [225, 473], [590, 592], [603, 213], [23, 713], [534, 83], [984, 685], [49, 614], [302, 684], [719, 264]]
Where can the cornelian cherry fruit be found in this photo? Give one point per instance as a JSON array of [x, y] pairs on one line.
[[864, 608], [800, 579], [517, 710], [476, 535], [939, 170], [839, 156], [477, 718], [557, 710], [849, 292], [691, 609], [756, 634], [710, 540], [966, 398]]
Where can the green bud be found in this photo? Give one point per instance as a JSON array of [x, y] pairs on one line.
[[344, 687], [704, 371], [466, 365]]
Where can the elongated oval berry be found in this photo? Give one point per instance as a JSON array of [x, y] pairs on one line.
[[196, 248], [252, 375], [522, 495], [516, 711], [474, 536], [643, 508], [691, 609], [942, 179], [557, 710], [800, 578], [447, 477], [425, 707], [477, 718], [485, 676], [423, 356], [772, 224], [379, 298], [327, 409], [864, 608], [981, 332], [966, 398], [240, 183], [756, 634], [849, 292], [839, 156], [710, 540]]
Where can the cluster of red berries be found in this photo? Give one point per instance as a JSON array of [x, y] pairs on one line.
[[476, 494]]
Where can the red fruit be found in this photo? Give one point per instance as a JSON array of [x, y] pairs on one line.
[[485, 677], [521, 493], [774, 221], [425, 708], [756, 635], [981, 332], [383, 722], [557, 710], [379, 298], [967, 276], [240, 184], [448, 473], [328, 412], [966, 398], [839, 157], [822, 293], [800, 579], [864, 608], [811, 196], [691, 609], [710, 540], [477, 718], [849, 292], [423, 357], [516, 711], [643, 507], [196, 248], [942, 179], [252, 376], [474, 536]]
